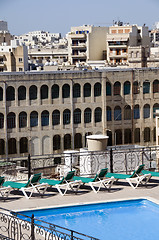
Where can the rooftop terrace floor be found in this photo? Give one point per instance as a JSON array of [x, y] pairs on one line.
[[119, 191]]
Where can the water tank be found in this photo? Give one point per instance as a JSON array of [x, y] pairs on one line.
[[97, 142]]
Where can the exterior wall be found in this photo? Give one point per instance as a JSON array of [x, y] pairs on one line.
[[40, 137]]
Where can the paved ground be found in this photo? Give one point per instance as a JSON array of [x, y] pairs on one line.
[[119, 191]]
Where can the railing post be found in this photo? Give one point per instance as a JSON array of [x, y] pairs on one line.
[[32, 227], [71, 235], [111, 160], [29, 167]]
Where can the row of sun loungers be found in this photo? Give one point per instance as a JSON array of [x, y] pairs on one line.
[[37, 184]]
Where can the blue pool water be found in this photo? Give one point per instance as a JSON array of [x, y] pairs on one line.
[[123, 220]]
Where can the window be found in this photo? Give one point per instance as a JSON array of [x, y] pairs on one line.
[[78, 140], [156, 86], [10, 94], [1, 94], [66, 116], [126, 88], [45, 118], [135, 88], [12, 146], [33, 119], [22, 119], [108, 89], [1, 120], [67, 141], [87, 115], [55, 117], [97, 90], [20, 60], [20, 69], [136, 112], [155, 107], [11, 120], [146, 111], [44, 92], [2, 146], [33, 92], [23, 145], [147, 134], [87, 90], [117, 87], [76, 90], [66, 91], [137, 135], [109, 114], [21, 93], [56, 142], [98, 115], [55, 91], [77, 116], [146, 87], [117, 113], [127, 136]]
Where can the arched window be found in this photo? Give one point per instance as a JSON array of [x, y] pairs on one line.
[[146, 111], [56, 117], [22, 119], [21, 93], [109, 134], [33, 119], [117, 113], [97, 89], [55, 91], [66, 91], [127, 112], [108, 89], [1, 94], [66, 116], [98, 115], [137, 135], [118, 137], [155, 107], [156, 86], [136, 112], [109, 114], [117, 88], [87, 90], [154, 134], [135, 88], [1, 120], [78, 140], [77, 116], [56, 142], [11, 120], [45, 118], [87, 115], [146, 134], [10, 94], [33, 92], [127, 136], [23, 145], [146, 87], [12, 146], [44, 92], [67, 141], [126, 88], [76, 90], [2, 147]]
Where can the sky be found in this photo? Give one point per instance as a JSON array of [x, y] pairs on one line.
[[57, 16]]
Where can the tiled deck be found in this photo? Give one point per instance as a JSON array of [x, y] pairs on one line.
[[119, 191]]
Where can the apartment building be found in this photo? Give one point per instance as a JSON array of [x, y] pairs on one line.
[[127, 45], [5, 36], [13, 58], [49, 112], [86, 43]]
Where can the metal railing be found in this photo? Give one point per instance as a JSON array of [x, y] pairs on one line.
[[16, 226], [84, 162]]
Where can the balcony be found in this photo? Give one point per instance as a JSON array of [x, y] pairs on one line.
[[77, 36], [79, 45], [79, 55], [115, 55]]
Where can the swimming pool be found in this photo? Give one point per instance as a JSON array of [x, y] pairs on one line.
[[130, 220]]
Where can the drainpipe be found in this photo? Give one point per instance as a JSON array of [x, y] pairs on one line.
[[5, 117], [72, 120]]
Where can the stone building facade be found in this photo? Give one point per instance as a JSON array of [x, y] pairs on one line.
[[49, 112]]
